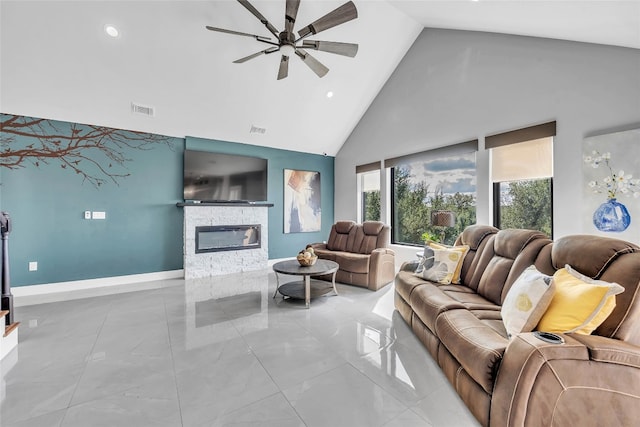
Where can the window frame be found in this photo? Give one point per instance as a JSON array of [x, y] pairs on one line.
[[391, 164], [497, 206]]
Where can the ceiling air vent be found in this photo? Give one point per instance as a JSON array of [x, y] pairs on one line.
[[255, 129], [142, 109]]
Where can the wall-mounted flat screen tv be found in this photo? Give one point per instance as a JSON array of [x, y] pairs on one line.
[[217, 177]]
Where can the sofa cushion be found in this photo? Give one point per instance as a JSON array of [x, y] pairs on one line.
[[527, 301], [406, 282], [428, 301], [353, 263], [372, 228], [513, 251], [325, 254], [369, 236], [477, 346], [472, 301], [478, 237], [579, 304], [341, 235]]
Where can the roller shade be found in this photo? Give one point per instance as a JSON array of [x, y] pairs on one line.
[[369, 167], [530, 133], [436, 153], [521, 161]]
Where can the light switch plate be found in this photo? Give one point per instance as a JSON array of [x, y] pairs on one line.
[[99, 215]]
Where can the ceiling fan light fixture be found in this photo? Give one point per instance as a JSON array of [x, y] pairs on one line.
[[287, 50], [287, 40]]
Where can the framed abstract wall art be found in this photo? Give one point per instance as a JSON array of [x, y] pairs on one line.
[[611, 185], [302, 201]]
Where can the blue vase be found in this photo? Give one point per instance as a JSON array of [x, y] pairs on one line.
[[611, 216]]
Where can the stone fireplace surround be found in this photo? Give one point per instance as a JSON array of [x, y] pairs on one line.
[[198, 265]]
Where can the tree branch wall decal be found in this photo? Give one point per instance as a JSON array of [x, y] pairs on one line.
[[98, 154]]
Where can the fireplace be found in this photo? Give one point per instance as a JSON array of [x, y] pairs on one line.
[[212, 260], [218, 238]]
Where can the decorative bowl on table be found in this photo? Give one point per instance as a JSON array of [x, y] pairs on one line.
[[307, 257], [307, 262]]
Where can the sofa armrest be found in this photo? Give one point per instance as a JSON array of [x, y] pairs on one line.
[[382, 268], [318, 246], [410, 266], [587, 380]]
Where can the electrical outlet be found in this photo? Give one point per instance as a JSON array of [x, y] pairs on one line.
[[33, 266], [87, 214]]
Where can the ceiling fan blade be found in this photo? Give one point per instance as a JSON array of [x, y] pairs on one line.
[[312, 63], [342, 14], [290, 14], [344, 49], [255, 55], [283, 71], [258, 15], [237, 33]]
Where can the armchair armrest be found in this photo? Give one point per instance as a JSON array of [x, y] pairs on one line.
[[588, 380], [382, 268]]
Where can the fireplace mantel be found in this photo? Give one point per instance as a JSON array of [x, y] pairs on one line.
[[231, 204]]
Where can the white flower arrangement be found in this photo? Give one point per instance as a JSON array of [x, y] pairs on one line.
[[616, 182]]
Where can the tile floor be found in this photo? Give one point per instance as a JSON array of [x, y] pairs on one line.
[[223, 352]]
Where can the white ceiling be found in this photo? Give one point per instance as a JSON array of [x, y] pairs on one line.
[[57, 62]]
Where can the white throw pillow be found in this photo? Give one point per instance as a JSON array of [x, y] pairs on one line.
[[527, 301]]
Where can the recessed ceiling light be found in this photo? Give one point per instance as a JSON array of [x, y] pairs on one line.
[[329, 94], [111, 31]]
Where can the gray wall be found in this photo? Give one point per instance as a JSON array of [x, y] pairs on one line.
[[453, 86]]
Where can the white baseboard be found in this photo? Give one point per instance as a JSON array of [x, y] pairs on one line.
[[61, 291]]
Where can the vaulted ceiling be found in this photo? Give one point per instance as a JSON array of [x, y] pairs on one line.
[[57, 62]]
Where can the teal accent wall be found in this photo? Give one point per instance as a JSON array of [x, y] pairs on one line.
[[142, 232], [283, 245]]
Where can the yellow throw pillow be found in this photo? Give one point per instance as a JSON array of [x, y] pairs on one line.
[[444, 264], [580, 304], [463, 249], [527, 301]]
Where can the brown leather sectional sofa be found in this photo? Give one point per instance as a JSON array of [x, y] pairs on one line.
[[362, 252], [589, 380]]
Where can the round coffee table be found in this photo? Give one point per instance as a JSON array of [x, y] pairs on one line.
[[307, 288]]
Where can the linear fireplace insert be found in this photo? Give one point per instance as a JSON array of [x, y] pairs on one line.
[[218, 238]]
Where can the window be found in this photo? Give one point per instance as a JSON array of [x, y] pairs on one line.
[[440, 179], [368, 192], [522, 171]]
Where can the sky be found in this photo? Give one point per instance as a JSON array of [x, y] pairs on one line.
[[450, 174]]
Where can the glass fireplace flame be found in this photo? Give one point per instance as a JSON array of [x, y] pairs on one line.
[[227, 238]]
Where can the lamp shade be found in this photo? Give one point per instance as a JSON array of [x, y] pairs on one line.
[[443, 218]]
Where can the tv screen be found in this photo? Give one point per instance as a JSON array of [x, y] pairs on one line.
[[216, 177]]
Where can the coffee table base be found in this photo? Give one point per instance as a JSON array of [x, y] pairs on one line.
[[303, 289], [296, 289]]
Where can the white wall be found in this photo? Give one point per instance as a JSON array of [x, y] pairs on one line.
[[454, 86]]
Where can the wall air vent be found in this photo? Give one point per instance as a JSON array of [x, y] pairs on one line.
[[142, 109]]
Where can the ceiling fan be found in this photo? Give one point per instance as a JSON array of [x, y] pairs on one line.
[[287, 43]]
